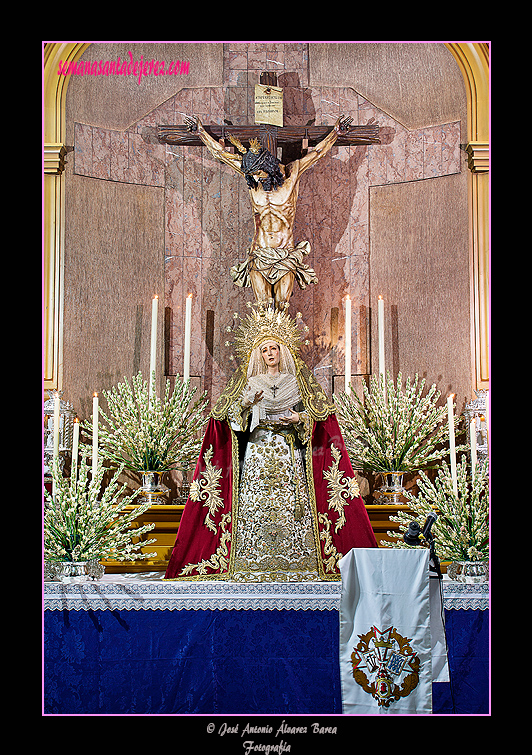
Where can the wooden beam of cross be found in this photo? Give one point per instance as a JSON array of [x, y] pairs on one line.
[[280, 136], [292, 140]]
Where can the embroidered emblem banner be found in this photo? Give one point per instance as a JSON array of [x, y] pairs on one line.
[[385, 632]]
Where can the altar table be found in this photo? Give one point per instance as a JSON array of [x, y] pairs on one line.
[[135, 644]]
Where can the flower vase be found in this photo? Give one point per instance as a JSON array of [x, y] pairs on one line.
[[469, 572], [184, 490], [81, 570], [392, 489], [152, 488]]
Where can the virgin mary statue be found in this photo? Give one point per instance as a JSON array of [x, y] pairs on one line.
[[273, 497]]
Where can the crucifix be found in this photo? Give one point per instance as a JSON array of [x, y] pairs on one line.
[[274, 262]]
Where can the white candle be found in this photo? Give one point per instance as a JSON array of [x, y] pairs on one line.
[[153, 345], [188, 329], [347, 343], [94, 435], [55, 437], [56, 426], [452, 446], [382, 369], [473, 439], [75, 449]]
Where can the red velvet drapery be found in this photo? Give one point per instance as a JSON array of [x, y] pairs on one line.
[[204, 541]]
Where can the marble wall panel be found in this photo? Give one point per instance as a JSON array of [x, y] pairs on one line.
[[174, 162], [146, 161], [236, 105], [119, 148], [217, 106], [303, 300], [192, 206], [451, 137], [211, 208], [174, 302], [296, 59], [348, 103], [82, 149], [235, 56], [101, 153], [201, 102], [230, 185], [193, 284], [257, 57], [341, 201], [183, 104], [174, 220], [413, 156], [419, 263], [122, 156], [292, 105], [113, 266], [164, 114], [395, 152], [330, 105], [359, 214], [432, 152]]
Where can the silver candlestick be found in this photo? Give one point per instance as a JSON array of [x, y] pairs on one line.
[[66, 429], [477, 409]]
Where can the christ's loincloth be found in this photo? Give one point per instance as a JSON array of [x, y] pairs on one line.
[[273, 264]]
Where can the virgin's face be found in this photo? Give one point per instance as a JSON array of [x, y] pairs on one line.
[[270, 354]]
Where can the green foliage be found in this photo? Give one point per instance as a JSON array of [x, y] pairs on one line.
[[461, 532], [391, 429], [146, 434], [83, 523]]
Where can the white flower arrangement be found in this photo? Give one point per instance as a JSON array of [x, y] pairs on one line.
[[461, 531], [149, 434], [391, 429], [82, 524]]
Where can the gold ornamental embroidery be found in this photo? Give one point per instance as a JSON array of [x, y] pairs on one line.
[[219, 559], [274, 530], [339, 489], [207, 488], [385, 665], [329, 549]]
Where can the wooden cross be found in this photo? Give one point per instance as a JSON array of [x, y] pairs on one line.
[[293, 140]]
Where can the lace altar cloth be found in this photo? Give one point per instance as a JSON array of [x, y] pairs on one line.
[[147, 591]]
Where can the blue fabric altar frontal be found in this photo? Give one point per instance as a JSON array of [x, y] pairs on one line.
[[132, 646]]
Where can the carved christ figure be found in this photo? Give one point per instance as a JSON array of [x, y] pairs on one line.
[[273, 261]]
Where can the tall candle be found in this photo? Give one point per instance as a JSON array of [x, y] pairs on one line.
[[473, 440], [347, 343], [56, 436], [94, 435], [75, 449], [153, 345], [188, 329], [56, 426], [452, 445], [382, 369]]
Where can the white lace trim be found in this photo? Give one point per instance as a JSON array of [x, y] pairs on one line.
[[459, 596], [140, 592]]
